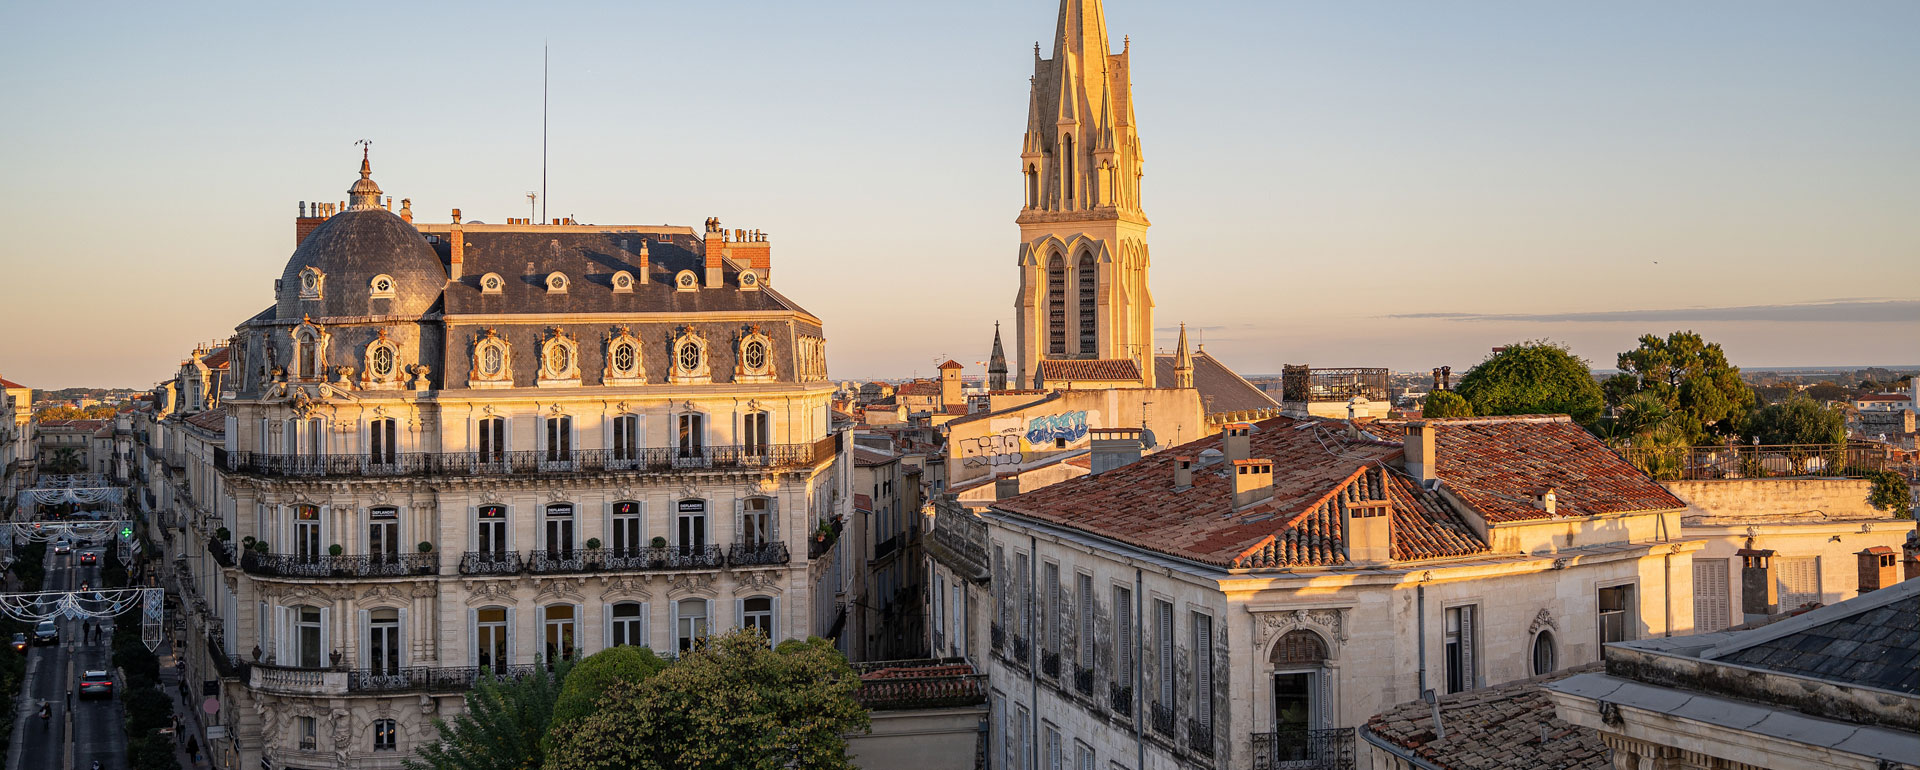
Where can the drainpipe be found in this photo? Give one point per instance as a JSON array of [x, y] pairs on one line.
[[1666, 588], [1420, 625], [1033, 674]]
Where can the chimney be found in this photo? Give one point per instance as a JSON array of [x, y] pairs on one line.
[[1006, 485], [1114, 447], [1422, 460], [456, 248], [1235, 442], [1878, 568], [1758, 597], [716, 250], [1548, 501], [304, 224], [1252, 482], [406, 210], [1182, 471], [1368, 525]]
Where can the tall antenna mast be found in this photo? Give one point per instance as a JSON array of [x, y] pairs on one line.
[[543, 132]]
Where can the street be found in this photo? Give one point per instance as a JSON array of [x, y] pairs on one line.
[[92, 729]]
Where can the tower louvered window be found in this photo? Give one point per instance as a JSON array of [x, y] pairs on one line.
[[1089, 328], [1056, 306]]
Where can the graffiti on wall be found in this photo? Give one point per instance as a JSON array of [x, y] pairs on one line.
[[1015, 440]]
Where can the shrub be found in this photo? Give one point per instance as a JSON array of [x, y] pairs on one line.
[[1891, 493], [426, 547], [147, 709]]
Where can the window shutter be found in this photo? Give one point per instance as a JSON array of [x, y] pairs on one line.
[[646, 622], [606, 626], [1467, 672], [283, 635], [1123, 636], [326, 634], [673, 630], [1203, 669], [1164, 640], [709, 607], [473, 635], [739, 613], [406, 655], [366, 639], [1711, 597], [1086, 610], [579, 631], [773, 517], [774, 637], [739, 516], [512, 649]]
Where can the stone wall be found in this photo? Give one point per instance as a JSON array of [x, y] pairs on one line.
[[1776, 500]]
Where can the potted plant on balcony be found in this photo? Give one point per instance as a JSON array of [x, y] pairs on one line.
[[423, 568], [261, 546], [593, 544], [223, 534], [335, 569], [657, 557], [246, 543]]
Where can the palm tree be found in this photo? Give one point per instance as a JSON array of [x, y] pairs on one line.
[[504, 725], [66, 460]]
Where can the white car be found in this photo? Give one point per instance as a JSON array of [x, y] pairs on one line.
[[62, 545]]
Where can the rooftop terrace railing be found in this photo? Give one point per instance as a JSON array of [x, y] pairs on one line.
[[1760, 461]]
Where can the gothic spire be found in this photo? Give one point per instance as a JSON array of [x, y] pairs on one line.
[[1183, 362], [997, 364]]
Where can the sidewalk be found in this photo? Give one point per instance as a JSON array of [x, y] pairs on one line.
[[188, 710]]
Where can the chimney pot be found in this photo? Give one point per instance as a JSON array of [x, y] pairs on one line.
[[1182, 471], [1422, 458], [1235, 441], [456, 216], [1252, 482]]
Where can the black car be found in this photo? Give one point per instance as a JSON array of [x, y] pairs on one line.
[[20, 642], [46, 633], [89, 557]]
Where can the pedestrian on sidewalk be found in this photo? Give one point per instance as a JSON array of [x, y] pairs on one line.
[[193, 749]]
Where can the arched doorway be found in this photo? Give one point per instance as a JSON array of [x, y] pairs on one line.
[[1302, 707]]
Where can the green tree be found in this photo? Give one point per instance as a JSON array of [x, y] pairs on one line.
[[595, 674], [1827, 391], [1797, 421], [1445, 403], [732, 703], [65, 460], [67, 412], [1535, 377], [504, 727], [1703, 392]]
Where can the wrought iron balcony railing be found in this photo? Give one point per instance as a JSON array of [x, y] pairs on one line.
[[1083, 679], [1160, 717], [1050, 664], [650, 460], [757, 554], [325, 567], [996, 636], [1200, 737], [491, 563], [1021, 653], [1304, 750], [821, 541], [1121, 698], [545, 562], [220, 552]]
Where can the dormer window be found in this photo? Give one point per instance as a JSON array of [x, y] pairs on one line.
[[381, 287], [686, 281], [556, 283], [312, 282], [756, 357], [690, 363], [491, 355], [492, 283], [623, 282], [559, 360], [383, 363], [309, 351], [749, 280], [623, 360]]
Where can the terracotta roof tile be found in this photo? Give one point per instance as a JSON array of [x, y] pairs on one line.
[[952, 364], [212, 419], [1500, 465], [918, 388], [217, 359], [1099, 369], [863, 503], [6, 383], [1513, 725], [1220, 387]]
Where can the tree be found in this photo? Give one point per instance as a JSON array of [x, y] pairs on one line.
[[1702, 391], [597, 673], [65, 460], [1535, 377], [1827, 391], [504, 727], [1445, 403], [66, 412], [732, 703], [1797, 421]]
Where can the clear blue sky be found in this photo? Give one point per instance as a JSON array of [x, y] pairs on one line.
[[1400, 184]]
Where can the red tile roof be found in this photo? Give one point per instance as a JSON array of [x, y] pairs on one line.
[[1513, 725], [952, 364], [217, 359], [1500, 465], [1314, 461], [863, 503], [1099, 369], [864, 456], [77, 425], [213, 419], [6, 383], [919, 388]]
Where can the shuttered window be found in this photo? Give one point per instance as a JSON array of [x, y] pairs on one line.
[[1050, 613], [1712, 601], [1123, 636], [1163, 644], [1203, 669], [1085, 609], [1799, 579], [1459, 649]]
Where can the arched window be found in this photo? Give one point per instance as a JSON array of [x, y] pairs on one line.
[[1089, 327], [689, 356], [627, 622], [1066, 171], [1299, 648], [559, 622], [1543, 653], [1056, 306], [756, 612], [306, 357]]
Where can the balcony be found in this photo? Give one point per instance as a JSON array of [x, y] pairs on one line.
[[491, 563], [824, 540], [920, 684], [1304, 750], [1083, 679], [1200, 737], [220, 552], [533, 463], [1050, 664], [1302, 384], [996, 636], [297, 681], [1021, 655], [757, 554], [428, 678], [1121, 698], [228, 666], [330, 567], [1160, 717], [886, 547], [588, 560]]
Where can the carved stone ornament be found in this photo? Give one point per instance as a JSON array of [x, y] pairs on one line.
[[1610, 714], [490, 495], [381, 592], [1329, 623], [761, 581], [1542, 620], [557, 589], [766, 485], [380, 497], [484, 591], [691, 584], [428, 704], [624, 493], [556, 496], [612, 589]]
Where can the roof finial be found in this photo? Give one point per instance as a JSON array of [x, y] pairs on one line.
[[364, 194], [366, 167]]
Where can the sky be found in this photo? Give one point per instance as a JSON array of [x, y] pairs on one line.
[[1400, 184]]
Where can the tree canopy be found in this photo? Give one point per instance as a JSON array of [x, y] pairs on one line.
[[66, 412], [1797, 421], [1702, 391], [594, 675], [503, 728], [1535, 377], [1445, 403], [732, 703]]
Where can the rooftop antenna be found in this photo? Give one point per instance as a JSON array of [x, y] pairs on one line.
[[543, 132]]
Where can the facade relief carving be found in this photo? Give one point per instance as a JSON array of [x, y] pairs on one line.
[[1329, 623]]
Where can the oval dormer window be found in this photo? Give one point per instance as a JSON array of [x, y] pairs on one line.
[[623, 357], [756, 353], [492, 283], [383, 361], [689, 356], [748, 278], [623, 281], [491, 360], [556, 282]]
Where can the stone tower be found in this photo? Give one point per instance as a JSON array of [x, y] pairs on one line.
[[1083, 251]]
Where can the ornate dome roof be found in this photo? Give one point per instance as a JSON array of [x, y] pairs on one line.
[[364, 261]]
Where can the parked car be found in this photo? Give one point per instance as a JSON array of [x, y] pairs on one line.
[[89, 557], [62, 545], [96, 684], [20, 642], [46, 633]]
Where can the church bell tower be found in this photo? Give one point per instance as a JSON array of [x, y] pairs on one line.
[[1083, 251]]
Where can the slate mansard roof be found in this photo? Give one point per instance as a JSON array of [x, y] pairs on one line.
[[1314, 461], [352, 247]]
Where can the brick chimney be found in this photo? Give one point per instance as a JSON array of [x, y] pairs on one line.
[[1759, 597], [304, 224], [1423, 462], [1183, 471], [645, 265], [1235, 441], [1879, 568], [1114, 447], [1369, 530], [1252, 482], [456, 248]]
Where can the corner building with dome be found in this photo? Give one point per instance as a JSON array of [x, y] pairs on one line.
[[460, 448]]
